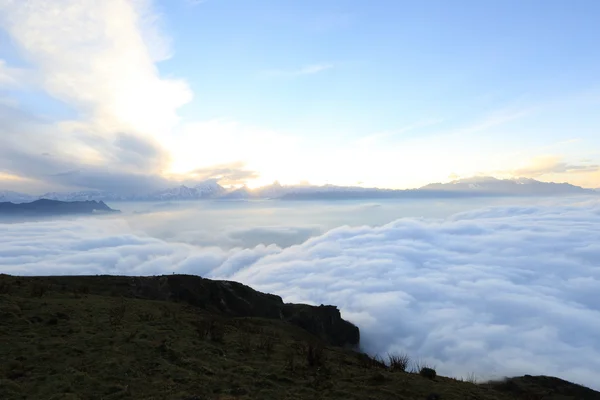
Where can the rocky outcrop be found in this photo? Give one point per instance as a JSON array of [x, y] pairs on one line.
[[323, 321], [231, 299]]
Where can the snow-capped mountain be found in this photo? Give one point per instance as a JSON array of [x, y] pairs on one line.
[[272, 191], [518, 186], [15, 197], [477, 186], [242, 193], [204, 190], [84, 195]]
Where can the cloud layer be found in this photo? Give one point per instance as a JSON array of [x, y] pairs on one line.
[[497, 291]]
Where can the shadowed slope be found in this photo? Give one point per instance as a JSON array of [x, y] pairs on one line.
[[184, 337]]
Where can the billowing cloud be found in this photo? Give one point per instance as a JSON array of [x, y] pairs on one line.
[[35, 150], [101, 60], [226, 144], [101, 64], [497, 291]]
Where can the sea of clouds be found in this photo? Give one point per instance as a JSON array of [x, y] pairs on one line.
[[497, 291]]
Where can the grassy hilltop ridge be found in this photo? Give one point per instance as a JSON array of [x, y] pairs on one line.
[[182, 337]]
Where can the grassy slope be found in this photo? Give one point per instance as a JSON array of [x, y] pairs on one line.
[[68, 344]]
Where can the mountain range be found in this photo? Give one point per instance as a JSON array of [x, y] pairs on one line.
[[54, 207], [210, 189]]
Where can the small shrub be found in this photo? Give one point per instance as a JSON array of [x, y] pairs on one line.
[[428, 372], [315, 355], [371, 362], [378, 362], [418, 365], [398, 362], [471, 378]]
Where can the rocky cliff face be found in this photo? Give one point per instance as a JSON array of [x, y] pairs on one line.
[[232, 299]]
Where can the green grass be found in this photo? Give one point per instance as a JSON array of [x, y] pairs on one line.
[[65, 341]]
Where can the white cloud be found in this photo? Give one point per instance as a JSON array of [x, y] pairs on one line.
[[551, 164], [99, 59], [555, 168], [99, 56], [498, 291], [216, 142]]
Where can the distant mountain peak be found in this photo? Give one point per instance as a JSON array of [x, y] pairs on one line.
[[211, 189], [476, 179], [516, 186]]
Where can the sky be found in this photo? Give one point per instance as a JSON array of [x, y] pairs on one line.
[[137, 95], [501, 290]]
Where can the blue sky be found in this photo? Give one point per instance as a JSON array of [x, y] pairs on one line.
[[387, 93]]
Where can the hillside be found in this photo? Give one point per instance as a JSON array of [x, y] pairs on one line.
[[47, 207], [184, 337]]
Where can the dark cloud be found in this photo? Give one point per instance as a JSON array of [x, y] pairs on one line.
[[68, 174], [139, 152], [129, 163], [116, 181], [34, 149]]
